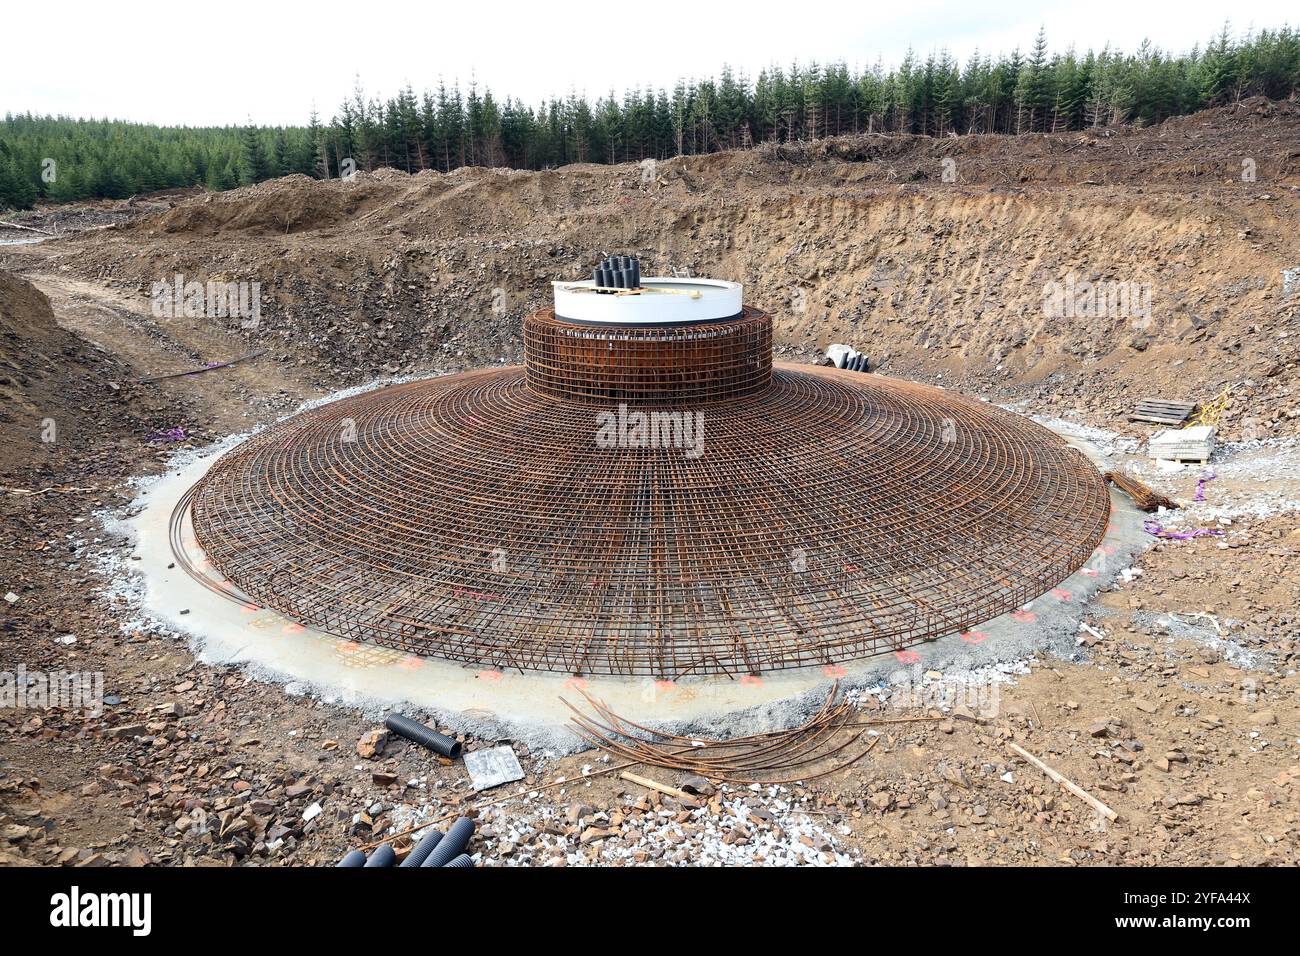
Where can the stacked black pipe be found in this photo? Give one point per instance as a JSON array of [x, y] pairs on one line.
[[436, 849], [421, 851], [452, 846], [618, 272]]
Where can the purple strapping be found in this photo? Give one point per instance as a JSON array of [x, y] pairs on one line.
[[1207, 475], [171, 434], [1153, 528]]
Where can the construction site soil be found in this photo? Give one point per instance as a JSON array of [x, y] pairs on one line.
[[1180, 708]]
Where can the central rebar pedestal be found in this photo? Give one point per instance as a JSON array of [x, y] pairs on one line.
[[681, 364]]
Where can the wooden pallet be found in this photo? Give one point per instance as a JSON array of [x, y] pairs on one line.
[[1162, 412]]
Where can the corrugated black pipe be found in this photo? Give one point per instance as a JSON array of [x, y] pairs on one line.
[[461, 861], [384, 856], [353, 858], [412, 730], [422, 849], [453, 844]]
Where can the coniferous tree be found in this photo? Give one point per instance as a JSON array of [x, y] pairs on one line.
[[253, 164]]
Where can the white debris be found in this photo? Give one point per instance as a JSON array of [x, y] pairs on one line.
[[755, 826], [840, 354], [1084, 626], [491, 767]]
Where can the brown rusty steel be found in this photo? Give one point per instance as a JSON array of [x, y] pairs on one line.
[[648, 365], [1144, 496], [829, 516]]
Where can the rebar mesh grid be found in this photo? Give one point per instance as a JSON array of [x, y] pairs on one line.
[[833, 516], [648, 365]]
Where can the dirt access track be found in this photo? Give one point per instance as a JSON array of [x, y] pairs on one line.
[[1178, 707]]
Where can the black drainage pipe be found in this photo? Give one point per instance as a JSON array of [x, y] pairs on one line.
[[353, 858], [382, 857], [453, 844], [461, 861], [412, 730], [422, 849]]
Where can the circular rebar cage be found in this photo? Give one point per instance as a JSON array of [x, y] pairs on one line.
[[649, 365], [829, 516]]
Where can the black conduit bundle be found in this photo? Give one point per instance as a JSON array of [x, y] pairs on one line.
[[618, 272], [353, 858], [412, 730], [460, 861]]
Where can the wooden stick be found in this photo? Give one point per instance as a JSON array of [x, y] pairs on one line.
[[14, 225], [645, 289], [1068, 785], [655, 785], [27, 493]]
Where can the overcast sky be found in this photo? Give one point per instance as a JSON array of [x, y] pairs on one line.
[[204, 63]]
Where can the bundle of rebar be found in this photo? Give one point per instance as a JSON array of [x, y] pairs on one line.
[[1145, 497], [828, 743]]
